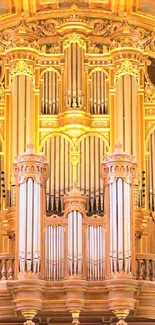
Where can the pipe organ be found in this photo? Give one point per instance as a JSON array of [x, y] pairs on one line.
[[77, 227], [57, 149]]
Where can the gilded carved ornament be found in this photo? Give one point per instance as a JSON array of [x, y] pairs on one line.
[[126, 67], [149, 93], [2, 92], [74, 156], [74, 38], [22, 67]]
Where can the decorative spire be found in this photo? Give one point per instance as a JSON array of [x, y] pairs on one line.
[[30, 147]]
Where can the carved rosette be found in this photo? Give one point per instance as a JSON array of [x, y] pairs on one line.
[[118, 164], [30, 165], [75, 200]]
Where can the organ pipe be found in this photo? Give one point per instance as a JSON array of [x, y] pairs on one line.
[[22, 110], [57, 150], [54, 253], [127, 114], [30, 171], [92, 150], [151, 172], [74, 210], [98, 93], [74, 243], [95, 253], [74, 72], [118, 173], [50, 93]]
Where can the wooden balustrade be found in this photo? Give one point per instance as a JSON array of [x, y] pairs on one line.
[[7, 266], [145, 267]]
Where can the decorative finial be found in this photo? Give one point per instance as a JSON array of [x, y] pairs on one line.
[[75, 185], [121, 322], [118, 145], [30, 146], [118, 148], [29, 322]]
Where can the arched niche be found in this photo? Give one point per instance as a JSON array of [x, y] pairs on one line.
[[50, 92], [99, 91], [57, 149], [92, 149]]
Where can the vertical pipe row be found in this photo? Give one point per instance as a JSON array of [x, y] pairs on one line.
[[29, 227], [98, 93], [95, 248], [50, 95], [120, 250], [54, 253], [22, 110], [74, 243], [151, 176], [57, 150], [74, 72]]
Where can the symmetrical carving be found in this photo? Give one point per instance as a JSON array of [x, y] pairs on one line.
[[22, 67], [75, 200], [126, 67], [74, 38]]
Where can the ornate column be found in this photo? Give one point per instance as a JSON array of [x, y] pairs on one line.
[[31, 172], [118, 172], [128, 54], [75, 283]]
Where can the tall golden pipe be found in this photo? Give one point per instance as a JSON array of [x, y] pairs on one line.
[[14, 119], [54, 85], [50, 92], [69, 73]]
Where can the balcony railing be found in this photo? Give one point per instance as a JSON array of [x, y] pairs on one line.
[[145, 267], [7, 266]]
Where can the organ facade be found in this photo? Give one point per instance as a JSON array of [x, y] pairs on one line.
[[77, 153]]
